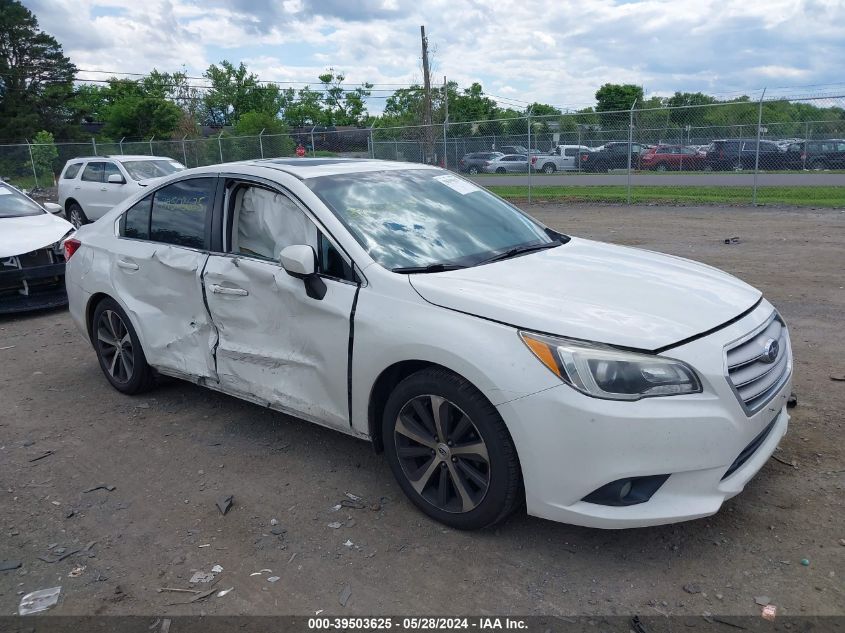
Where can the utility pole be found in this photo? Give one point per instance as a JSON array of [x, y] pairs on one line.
[[427, 100]]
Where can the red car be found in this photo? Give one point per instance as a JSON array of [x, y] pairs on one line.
[[677, 157]]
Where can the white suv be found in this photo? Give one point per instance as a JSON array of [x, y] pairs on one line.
[[90, 187]]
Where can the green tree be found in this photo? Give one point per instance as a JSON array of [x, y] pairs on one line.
[[36, 79], [252, 123], [235, 90], [614, 97], [304, 109], [44, 155], [342, 106]]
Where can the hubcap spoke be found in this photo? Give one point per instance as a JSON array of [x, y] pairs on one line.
[[443, 487], [113, 366], [425, 416], [439, 411], [410, 429], [478, 449], [426, 471], [105, 337], [116, 346], [472, 473], [467, 503], [461, 428]]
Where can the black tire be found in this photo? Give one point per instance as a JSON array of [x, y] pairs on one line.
[[466, 504], [549, 168], [818, 165], [737, 165], [661, 167], [119, 350], [501, 170], [75, 215], [472, 171]]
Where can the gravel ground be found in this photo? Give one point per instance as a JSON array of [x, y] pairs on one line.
[[171, 453]]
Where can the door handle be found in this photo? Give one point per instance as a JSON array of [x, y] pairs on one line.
[[122, 263], [77, 188], [226, 290], [103, 189]]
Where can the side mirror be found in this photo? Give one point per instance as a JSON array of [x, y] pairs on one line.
[[116, 179], [52, 207], [300, 261]]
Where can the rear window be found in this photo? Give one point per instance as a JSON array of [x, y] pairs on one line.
[[71, 171], [135, 223]]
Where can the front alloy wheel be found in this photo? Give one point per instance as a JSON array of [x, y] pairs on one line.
[[442, 453], [450, 450]]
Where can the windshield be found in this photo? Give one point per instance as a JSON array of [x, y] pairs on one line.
[[420, 217], [143, 169], [16, 205]]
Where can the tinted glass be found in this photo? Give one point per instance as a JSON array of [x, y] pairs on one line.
[[71, 171], [93, 172], [136, 220], [331, 262], [415, 217], [570, 151], [109, 169], [16, 205], [179, 212]]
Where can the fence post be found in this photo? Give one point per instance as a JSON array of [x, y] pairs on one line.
[[220, 145], [184, 151], [313, 147], [121, 145], [261, 141], [395, 149], [578, 151], [32, 162], [806, 146], [152, 153], [757, 149], [528, 157], [94, 143], [630, 143], [370, 142]]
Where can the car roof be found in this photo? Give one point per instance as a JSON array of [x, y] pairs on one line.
[[121, 157], [305, 168]]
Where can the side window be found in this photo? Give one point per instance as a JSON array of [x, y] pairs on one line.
[[331, 262], [135, 223], [109, 169], [93, 172], [265, 222], [71, 171], [570, 151], [180, 211]]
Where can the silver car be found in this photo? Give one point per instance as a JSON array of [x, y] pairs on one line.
[[507, 164]]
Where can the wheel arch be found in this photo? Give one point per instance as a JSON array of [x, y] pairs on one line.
[[93, 301]]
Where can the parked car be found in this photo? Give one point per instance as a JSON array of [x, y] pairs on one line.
[[561, 158], [611, 156], [738, 154], [819, 155], [473, 163], [479, 349], [671, 157], [90, 187], [32, 261], [507, 163]]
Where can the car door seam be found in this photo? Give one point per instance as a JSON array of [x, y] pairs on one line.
[[349, 352], [210, 317]]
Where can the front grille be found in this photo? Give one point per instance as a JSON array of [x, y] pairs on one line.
[[754, 376], [36, 271]]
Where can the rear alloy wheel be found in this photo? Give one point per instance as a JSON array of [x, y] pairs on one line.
[[76, 216], [501, 170], [118, 350], [737, 166], [661, 167], [450, 451], [549, 168], [818, 165], [472, 171]]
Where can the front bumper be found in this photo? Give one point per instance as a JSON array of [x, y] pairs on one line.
[[570, 445], [32, 288]]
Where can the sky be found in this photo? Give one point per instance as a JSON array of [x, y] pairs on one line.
[[556, 51]]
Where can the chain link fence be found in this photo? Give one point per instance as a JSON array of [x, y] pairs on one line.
[[621, 153]]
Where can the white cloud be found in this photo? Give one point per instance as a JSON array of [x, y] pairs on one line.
[[551, 51]]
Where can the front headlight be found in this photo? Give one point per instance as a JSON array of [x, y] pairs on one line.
[[606, 372]]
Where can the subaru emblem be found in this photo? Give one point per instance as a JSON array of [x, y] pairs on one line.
[[770, 351]]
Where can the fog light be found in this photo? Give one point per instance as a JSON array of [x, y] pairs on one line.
[[626, 492]]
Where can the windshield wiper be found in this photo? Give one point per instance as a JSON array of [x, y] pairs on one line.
[[518, 250], [430, 268]]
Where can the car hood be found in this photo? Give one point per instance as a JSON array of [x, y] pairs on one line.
[[25, 234], [597, 292]]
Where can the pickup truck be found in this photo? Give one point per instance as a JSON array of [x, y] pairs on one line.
[[561, 158]]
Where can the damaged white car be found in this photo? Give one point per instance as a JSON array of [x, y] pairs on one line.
[[32, 261], [492, 359]]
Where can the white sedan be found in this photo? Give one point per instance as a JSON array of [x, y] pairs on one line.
[[32, 261], [492, 359]]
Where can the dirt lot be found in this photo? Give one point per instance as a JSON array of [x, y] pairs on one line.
[[173, 452]]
